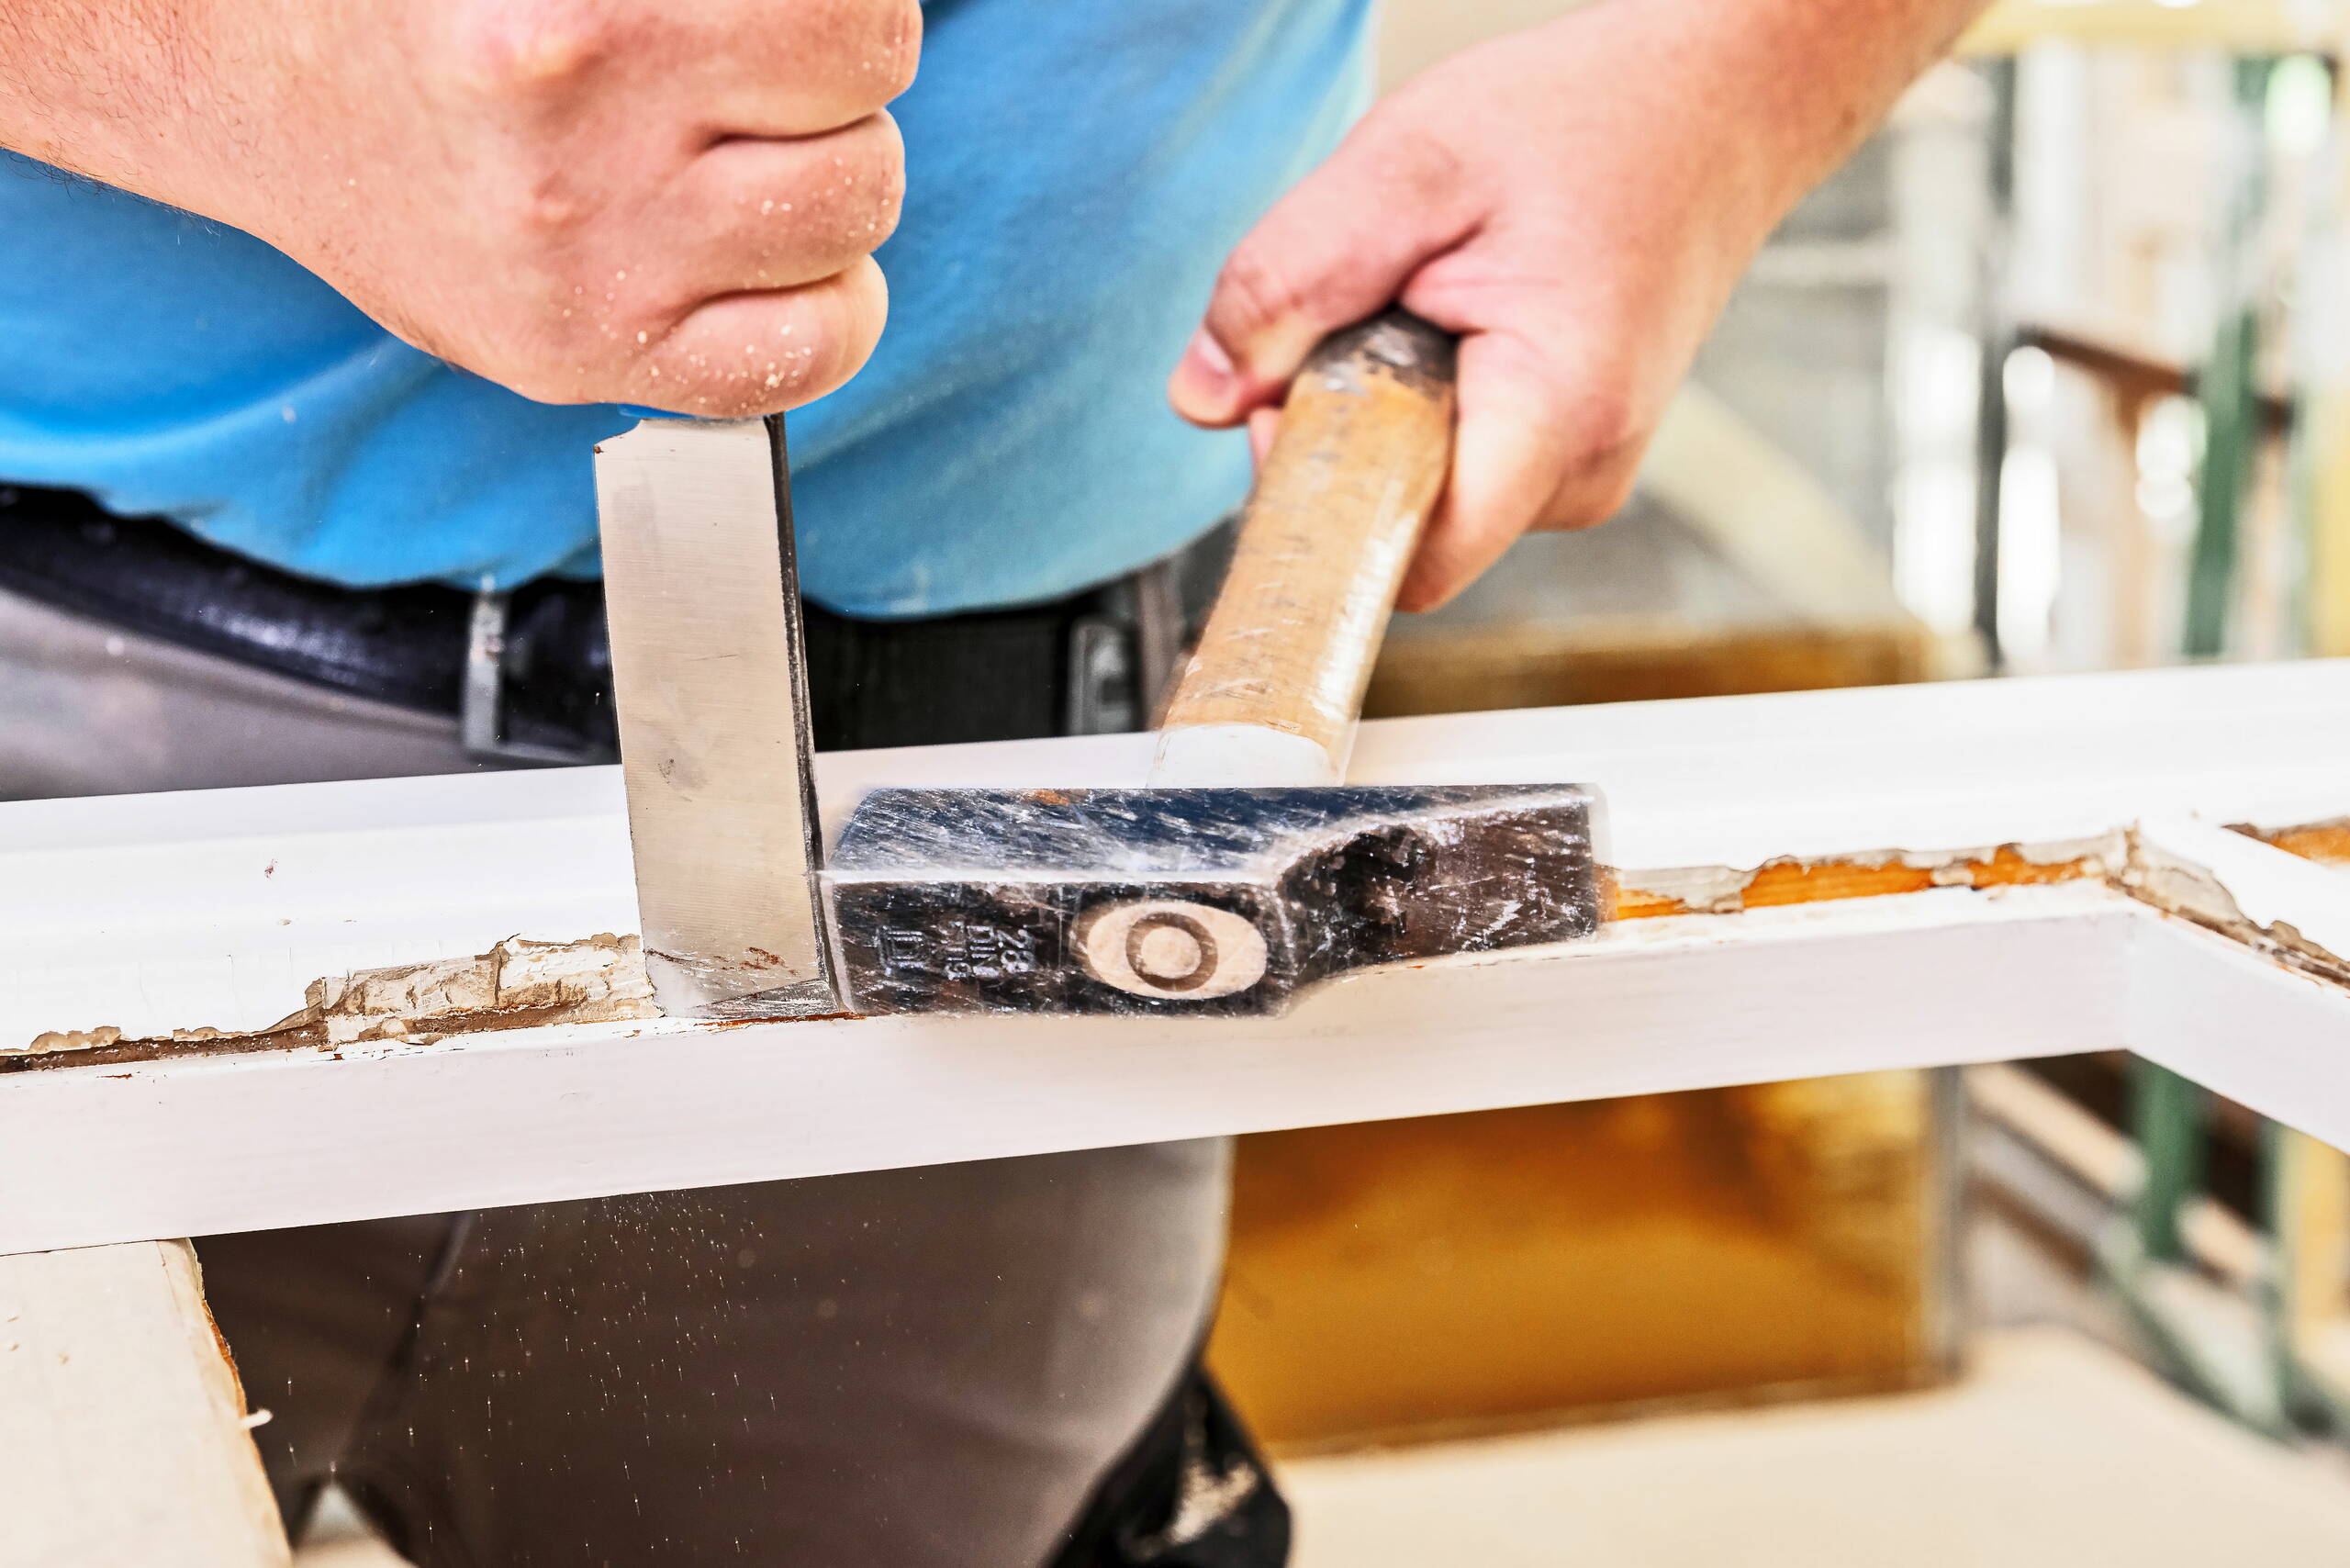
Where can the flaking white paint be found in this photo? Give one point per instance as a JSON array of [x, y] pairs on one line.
[[159, 913]]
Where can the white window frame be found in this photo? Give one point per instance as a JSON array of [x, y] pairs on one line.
[[2164, 933]]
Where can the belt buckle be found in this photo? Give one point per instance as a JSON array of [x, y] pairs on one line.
[[481, 700]]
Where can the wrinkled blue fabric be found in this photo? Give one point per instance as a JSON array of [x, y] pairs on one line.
[[1075, 173]]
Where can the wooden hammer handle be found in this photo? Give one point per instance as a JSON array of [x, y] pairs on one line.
[[1271, 695]]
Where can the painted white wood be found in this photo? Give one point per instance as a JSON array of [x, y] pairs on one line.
[[1738, 781], [2240, 1025], [123, 1441], [1242, 755], [162, 911], [2268, 887], [2227, 1014], [199, 1147], [156, 912]]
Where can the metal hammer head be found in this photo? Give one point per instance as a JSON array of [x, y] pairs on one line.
[[1192, 900]]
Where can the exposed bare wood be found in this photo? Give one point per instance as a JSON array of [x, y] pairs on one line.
[[518, 984], [1885, 853], [2294, 910], [2326, 841]]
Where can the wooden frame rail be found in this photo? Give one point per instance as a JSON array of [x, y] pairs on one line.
[[1819, 882]]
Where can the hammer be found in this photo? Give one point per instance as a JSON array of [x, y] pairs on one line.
[[1245, 870]]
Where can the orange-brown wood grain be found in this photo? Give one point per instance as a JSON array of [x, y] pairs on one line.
[[2327, 841], [2009, 868], [1815, 882], [1632, 903]]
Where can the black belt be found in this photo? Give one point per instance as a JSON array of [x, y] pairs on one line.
[[527, 674]]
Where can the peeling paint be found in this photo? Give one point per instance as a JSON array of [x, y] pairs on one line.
[[2181, 885], [74, 1040], [2326, 841], [1723, 890], [2130, 861], [516, 984], [521, 984]]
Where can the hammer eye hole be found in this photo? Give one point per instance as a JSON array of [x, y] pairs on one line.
[[1171, 949]]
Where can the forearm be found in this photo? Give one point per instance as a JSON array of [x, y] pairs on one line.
[[102, 87], [1782, 90]]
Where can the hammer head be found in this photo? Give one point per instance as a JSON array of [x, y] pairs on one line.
[[1205, 901]]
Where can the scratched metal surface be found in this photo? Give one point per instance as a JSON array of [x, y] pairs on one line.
[[1193, 901]]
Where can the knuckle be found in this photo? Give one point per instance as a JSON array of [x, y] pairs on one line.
[[717, 386], [820, 208], [847, 57], [1604, 433], [896, 53], [1588, 508], [1417, 172], [882, 188], [865, 171], [877, 48], [1602, 442], [1254, 291], [859, 192], [546, 203], [525, 51], [761, 360]]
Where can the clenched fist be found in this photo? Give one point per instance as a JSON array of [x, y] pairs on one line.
[[668, 202]]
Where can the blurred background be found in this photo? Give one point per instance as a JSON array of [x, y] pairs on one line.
[[2055, 375]]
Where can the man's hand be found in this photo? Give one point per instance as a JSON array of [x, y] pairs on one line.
[[1576, 201], [670, 202]]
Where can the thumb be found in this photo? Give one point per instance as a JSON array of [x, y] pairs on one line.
[[1339, 246]]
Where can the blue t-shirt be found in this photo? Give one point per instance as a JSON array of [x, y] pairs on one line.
[[1076, 171]]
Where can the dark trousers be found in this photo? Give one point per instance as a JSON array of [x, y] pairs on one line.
[[980, 1365]]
